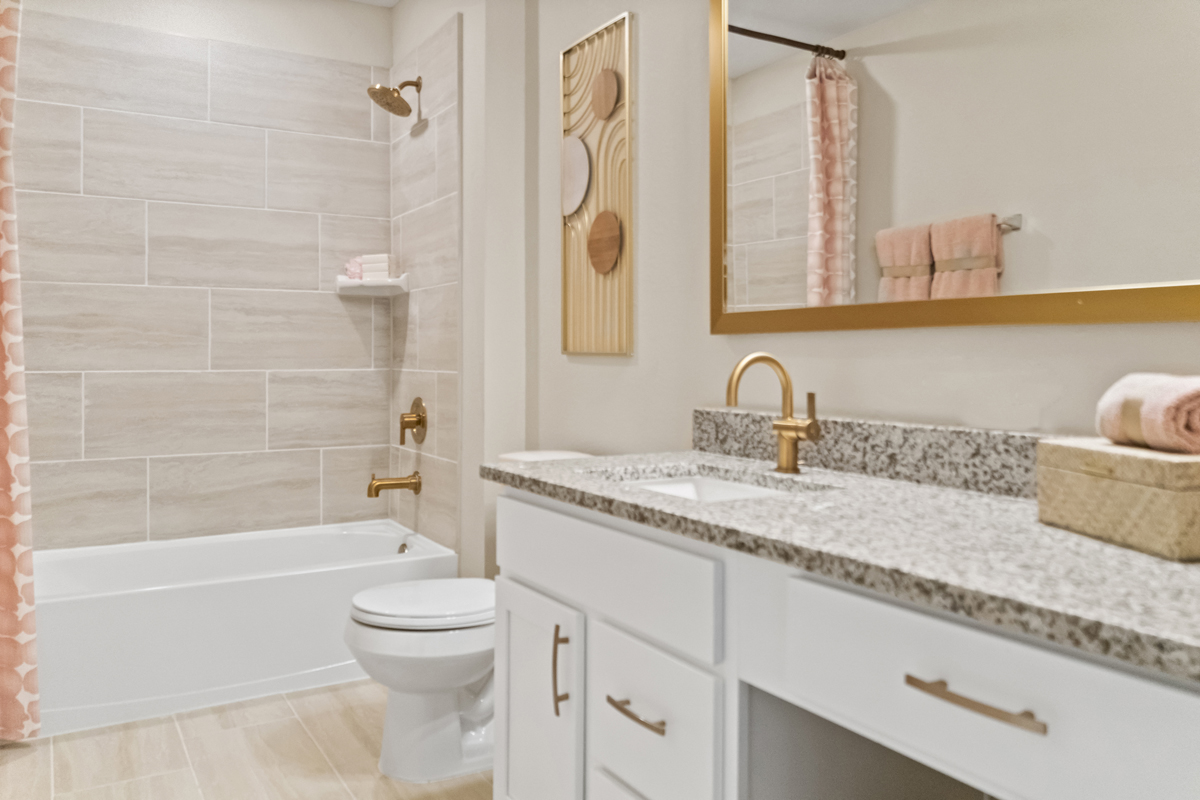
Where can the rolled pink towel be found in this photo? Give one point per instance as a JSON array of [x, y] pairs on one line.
[[906, 260], [967, 257], [354, 269], [1153, 410]]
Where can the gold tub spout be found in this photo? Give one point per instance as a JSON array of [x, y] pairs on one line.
[[378, 485], [791, 431]]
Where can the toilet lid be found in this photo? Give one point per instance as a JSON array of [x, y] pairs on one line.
[[433, 605]]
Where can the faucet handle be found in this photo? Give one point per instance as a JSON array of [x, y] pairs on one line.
[[812, 428], [812, 405]]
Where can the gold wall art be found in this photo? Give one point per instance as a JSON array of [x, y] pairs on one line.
[[597, 195]]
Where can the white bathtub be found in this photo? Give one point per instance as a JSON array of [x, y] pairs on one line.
[[133, 631]]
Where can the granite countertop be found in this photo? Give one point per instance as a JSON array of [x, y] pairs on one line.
[[983, 556]]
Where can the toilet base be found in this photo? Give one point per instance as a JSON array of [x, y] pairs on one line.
[[438, 735]]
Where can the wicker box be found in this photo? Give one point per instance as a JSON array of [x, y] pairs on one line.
[[1132, 496]]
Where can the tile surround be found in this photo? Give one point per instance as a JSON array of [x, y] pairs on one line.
[[47, 148], [344, 475], [327, 408], [331, 176], [79, 503], [55, 405], [81, 239]]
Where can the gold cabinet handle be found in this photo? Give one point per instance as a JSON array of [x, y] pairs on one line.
[[565, 696], [659, 727], [1026, 720]]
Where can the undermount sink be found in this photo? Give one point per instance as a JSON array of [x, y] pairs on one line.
[[704, 489]]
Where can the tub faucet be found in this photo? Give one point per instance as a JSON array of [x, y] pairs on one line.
[[378, 485], [789, 429]]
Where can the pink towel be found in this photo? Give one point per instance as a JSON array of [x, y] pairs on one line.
[[906, 260], [354, 269], [1153, 410], [967, 257]]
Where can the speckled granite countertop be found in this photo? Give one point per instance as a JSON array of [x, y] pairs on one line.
[[982, 556]]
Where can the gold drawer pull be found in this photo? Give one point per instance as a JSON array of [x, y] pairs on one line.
[[1025, 720], [565, 696], [659, 727]]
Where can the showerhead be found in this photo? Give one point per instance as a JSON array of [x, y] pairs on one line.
[[389, 99]]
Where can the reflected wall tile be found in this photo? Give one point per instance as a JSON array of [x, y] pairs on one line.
[[449, 159], [289, 330], [102, 65], [381, 337], [332, 176], [769, 145], [447, 419], [292, 92], [345, 472], [25, 770], [72, 327], [438, 327], [438, 59], [81, 503], [46, 146], [130, 155], [175, 412], [55, 405], [430, 254], [207, 495], [791, 204], [327, 409], [408, 385], [117, 753], [66, 237], [752, 206], [343, 238], [193, 245], [414, 168], [777, 272]]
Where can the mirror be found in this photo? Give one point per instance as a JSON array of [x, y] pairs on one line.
[[1033, 161]]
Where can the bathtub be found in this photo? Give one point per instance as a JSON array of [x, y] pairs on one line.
[[133, 631]]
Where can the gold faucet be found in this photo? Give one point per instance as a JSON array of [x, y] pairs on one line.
[[378, 485], [789, 429], [416, 420]]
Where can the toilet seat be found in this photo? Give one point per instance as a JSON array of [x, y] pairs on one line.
[[430, 605]]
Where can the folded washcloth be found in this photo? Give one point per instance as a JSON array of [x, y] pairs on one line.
[[967, 257], [378, 258], [907, 263], [1153, 410]]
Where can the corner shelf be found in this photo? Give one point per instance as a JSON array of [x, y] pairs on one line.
[[388, 287]]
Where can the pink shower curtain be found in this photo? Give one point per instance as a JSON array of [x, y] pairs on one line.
[[19, 718], [833, 140]]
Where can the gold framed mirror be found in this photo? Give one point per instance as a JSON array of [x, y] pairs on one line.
[[1171, 300]]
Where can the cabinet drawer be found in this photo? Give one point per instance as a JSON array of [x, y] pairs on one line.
[[670, 754], [1108, 734], [603, 786], [669, 595]]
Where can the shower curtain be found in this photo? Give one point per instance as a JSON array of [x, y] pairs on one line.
[[19, 717], [833, 140]]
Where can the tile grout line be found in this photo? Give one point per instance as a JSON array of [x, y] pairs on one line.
[[321, 485], [147, 498], [188, 755], [50, 744], [320, 749], [278, 451], [210, 332], [199, 205]]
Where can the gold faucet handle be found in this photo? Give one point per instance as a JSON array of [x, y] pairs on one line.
[[416, 420], [812, 431]]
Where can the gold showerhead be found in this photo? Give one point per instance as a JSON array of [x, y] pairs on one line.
[[389, 99]]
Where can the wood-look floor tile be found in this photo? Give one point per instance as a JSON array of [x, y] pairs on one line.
[[237, 715], [25, 770], [178, 785], [119, 753]]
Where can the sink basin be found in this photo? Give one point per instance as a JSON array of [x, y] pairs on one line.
[[704, 489]]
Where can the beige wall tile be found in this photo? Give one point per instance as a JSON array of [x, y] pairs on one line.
[[791, 204], [414, 169], [381, 336], [438, 58], [194, 245], [66, 237], [753, 209], [98, 64], [447, 418], [406, 70], [430, 234], [407, 385], [179, 785], [343, 238], [345, 472], [449, 157], [274, 89], [25, 770], [777, 272], [380, 126], [130, 155], [80, 503], [55, 404], [333, 176], [206, 495], [289, 330], [327, 409], [46, 147], [118, 753], [164, 413], [405, 318], [80, 327], [438, 327], [434, 512], [770, 144]]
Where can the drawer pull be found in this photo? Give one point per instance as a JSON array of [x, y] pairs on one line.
[[659, 727], [1025, 720], [565, 696]]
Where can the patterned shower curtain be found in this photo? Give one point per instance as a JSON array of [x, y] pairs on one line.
[[19, 718], [832, 188]]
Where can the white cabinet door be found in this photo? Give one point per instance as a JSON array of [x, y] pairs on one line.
[[539, 696]]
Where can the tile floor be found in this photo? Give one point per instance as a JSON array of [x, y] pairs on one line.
[[321, 744]]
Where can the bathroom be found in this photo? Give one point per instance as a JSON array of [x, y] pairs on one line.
[[210, 396]]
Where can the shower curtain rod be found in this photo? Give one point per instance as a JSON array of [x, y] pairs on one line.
[[819, 49]]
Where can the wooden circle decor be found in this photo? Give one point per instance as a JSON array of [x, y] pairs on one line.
[[576, 174], [605, 91], [604, 242]]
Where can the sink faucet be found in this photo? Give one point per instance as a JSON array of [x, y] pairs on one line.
[[378, 485], [789, 429]]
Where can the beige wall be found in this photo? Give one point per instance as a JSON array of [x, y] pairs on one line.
[[184, 205]]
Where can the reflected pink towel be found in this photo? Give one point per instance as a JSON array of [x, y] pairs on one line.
[[1152, 410], [906, 260], [967, 257]]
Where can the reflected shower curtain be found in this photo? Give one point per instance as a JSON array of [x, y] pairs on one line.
[[832, 190], [19, 718]]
